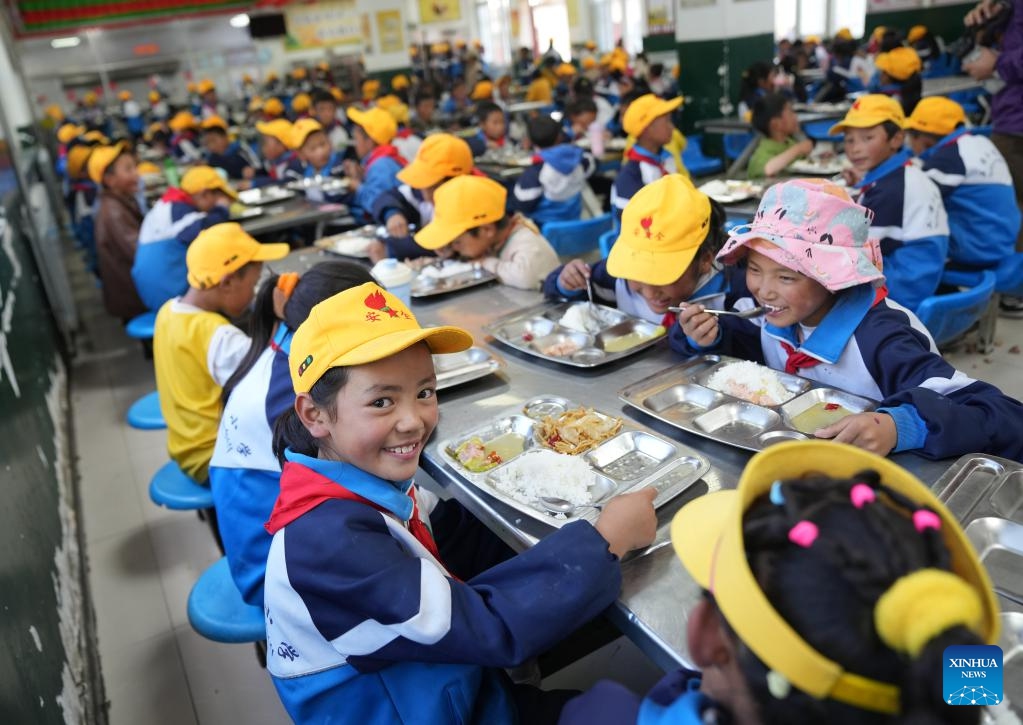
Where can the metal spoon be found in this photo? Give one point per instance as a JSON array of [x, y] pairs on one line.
[[744, 314], [561, 506], [589, 296]]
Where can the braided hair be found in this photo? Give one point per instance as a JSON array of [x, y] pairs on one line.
[[827, 592]]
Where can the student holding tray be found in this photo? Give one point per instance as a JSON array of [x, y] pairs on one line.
[[810, 263]]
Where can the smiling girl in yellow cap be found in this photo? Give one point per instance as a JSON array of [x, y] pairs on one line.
[[380, 601], [833, 581]]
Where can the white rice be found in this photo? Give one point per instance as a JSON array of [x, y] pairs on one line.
[[581, 318], [750, 381], [545, 473], [449, 269]]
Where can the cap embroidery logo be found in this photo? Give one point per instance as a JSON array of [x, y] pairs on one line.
[[646, 223], [856, 106], [230, 259], [377, 301], [305, 365]]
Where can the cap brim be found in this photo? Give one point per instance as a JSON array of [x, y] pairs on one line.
[[695, 531], [438, 234], [441, 340], [419, 175], [270, 252], [653, 268]]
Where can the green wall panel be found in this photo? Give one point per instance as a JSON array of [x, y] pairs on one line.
[[944, 20]]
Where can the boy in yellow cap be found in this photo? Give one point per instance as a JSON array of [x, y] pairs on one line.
[[118, 218], [300, 105], [898, 76], [909, 216], [209, 103], [131, 110], [273, 108], [471, 220], [458, 103], [424, 107], [386, 600], [663, 257], [237, 161], [184, 137], [975, 183], [493, 129], [820, 577], [331, 117], [314, 157], [919, 38], [441, 157], [648, 120], [195, 346], [201, 201], [376, 171], [275, 146]]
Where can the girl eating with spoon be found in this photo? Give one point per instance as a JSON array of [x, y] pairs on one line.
[[810, 263]]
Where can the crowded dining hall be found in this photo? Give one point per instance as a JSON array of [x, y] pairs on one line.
[[547, 361]]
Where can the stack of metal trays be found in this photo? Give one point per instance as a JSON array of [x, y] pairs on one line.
[[680, 396], [632, 458], [541, 331], [986, 494], [265, 195], [460, 367]]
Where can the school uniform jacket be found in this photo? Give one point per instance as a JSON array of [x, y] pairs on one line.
[[270, 172], [244, 472], [975, 184], [298, 170], [234, 161], [117, 233], [365, 625], [410, 204], [911, 223], [639, 169], [159, 271], [551, 189], [675, 700], [880, 350]]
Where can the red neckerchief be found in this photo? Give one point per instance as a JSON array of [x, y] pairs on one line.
[[174, 194], [388, 151], [404, 133], [497, 142], [633, 155], [669, 320], [303, 489], [796, 361]]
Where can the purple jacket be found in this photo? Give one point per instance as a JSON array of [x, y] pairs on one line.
[[1007, 104]]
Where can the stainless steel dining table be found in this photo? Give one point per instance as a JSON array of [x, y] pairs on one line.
[[656, 594], [294, 213]]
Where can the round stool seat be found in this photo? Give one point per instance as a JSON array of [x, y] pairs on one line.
[[141, 327], [172, 488], [217, 612], [144, 413]]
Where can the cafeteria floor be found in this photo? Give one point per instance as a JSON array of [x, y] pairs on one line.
[[143, 559]]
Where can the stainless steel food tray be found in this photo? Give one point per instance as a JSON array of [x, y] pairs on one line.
[[425, 286], [353, 243], [265, 195], [329, 184], [535, 328], [634, 458], [461, 367], [679, 397]]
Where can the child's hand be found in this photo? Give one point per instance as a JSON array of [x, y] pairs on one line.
[[805, 147], [628, 522], [397, 226], [851, 176], [376, 250], [699, 326], [574, 275], [353, 170], [874, 432], [248, 172]]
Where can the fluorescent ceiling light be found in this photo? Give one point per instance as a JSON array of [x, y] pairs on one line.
[[71, 42], [240, 21]]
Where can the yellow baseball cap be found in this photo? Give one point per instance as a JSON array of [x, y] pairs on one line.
[[101, 158], [663, 226], [358, 326], [565, 69], [843, 34], [271, 77], [483, 91], [464, 203], [205, 178], [399, 81], [378, 124], [77, 158], [182, 121], [95, 137], [589, 63], [300, 102], [644, 110], [878, 33], [540, 91], [370, 88], [278, 128], [439, 157], [301, 129], [937, 115], [205, 86], [459, 43], [338, 94], [393, 105], [299, 73], [148, 167], [707, 535], [69, 132], [916, 33], [124, 95], [812, 39], [590, 45], [869, 111], [54, 112], [223, 249], [255, 104], [154, 128], [213, 122], [90, 98], [273, 107], [191, 87], [899, 63], [323, 65], [154, 96]]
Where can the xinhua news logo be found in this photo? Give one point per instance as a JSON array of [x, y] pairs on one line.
[[972, 675]]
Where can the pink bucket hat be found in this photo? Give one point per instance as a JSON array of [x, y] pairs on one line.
[[812, 227]]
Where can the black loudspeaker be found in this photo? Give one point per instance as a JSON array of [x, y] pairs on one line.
[[267, 26]]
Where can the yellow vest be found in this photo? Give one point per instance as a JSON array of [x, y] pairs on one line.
[[189, 396], [675, 147]]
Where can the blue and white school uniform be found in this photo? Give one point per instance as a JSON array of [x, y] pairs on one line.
[[551, 189], [410, 204], [976, 186], [299, 170], [365, 625], [640, 168], [244, 473], [159, 270], [878, 349], [675, 700], [911, 223]]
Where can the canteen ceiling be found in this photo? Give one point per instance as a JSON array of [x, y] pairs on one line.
[[56, 16]]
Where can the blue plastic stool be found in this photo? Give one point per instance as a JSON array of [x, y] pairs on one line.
[[606, 241], [818, 130], [735, 144], [141, 327], [949, 316], [217, 611], [696, 162], [577, 237], [144, 413], [172, 488]]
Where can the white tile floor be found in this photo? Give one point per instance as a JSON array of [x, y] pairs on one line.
[[144, 560]]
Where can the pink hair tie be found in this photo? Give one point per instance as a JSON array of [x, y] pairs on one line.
[[924, 519], [803, 534], [862, 494]]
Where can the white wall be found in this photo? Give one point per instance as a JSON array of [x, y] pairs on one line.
[[724, 19]]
